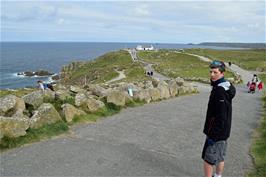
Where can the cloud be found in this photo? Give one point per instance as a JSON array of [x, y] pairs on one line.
[[141, 10], [149, 20]]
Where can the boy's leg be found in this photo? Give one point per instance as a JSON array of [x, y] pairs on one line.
[[220, 168], [208, 169]]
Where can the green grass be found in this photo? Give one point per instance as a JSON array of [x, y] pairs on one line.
[[247, 59], [34, 135], [103, 68], [57, 103], [17, 92], [263, 78], [172, 64], [258, 149]]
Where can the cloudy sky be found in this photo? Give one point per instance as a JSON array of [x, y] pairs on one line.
[[134, 21]]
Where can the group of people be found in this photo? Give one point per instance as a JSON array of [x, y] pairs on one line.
[[254, 83], [149, 73]]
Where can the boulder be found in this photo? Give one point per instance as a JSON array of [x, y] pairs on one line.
[[129, 99], [155, 94], [116, 97], [69, 112], [80, 99], [76, 89], [148, 84], [13, 126], [46, 114], [34, 99], [49, 94], [10, 104], [164, 90], [98, 90], [142, 95], [94, 105], [62, 94], [172, 88], [155, 82], [180, 81]]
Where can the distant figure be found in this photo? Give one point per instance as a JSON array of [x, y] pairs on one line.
[[151, 73], [252, 87], [229, 63], [255, 78], [43, 86], [260, 86], [148, 73]]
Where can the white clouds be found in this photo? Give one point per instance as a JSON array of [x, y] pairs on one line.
[[141, 10], [195, 21]]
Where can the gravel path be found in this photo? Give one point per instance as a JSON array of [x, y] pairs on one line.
[[121, 76], [158, 139]]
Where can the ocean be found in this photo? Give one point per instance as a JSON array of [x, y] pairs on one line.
[[32, 56]]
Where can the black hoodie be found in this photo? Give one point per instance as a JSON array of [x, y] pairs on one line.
[[219, 113]]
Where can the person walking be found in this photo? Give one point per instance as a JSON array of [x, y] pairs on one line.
[[217, 125]]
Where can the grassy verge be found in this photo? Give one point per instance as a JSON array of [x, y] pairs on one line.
[[258, 149], [172, 64], [17, 92], [34, 135], [248, 59]]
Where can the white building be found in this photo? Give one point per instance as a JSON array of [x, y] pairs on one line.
[[140, 47]]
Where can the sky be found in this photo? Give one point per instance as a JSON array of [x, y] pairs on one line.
[[134, 21]]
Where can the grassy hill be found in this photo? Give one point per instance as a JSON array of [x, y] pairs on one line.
[[247, 59], [103, 69], [173, 64]]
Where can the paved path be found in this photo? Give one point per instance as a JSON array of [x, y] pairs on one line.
[[246, 75], [158, 139]]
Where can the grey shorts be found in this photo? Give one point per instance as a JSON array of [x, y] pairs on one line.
[[214, 153]]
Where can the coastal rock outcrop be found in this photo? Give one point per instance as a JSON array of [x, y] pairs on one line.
[[69, 111], [164, 90], [173, 88], [116, 97], [34, 99], [155, 94], [36, 73], [62, 94], [46, 114], [80, 99], [94, 105], [13, 126], [10, 104], [142, 95]]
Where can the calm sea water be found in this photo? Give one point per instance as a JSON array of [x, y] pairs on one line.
[[23, 56]]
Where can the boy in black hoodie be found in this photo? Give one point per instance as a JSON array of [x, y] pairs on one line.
[[218, 120]]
